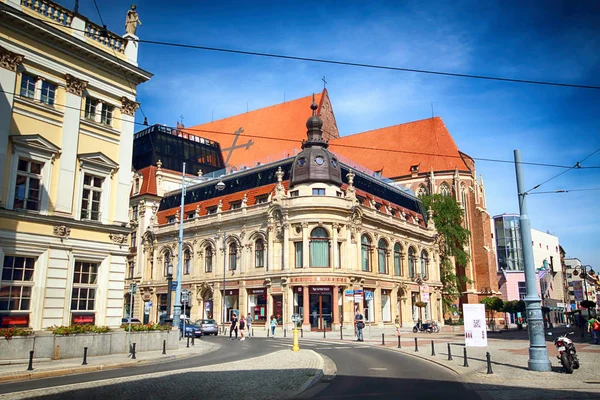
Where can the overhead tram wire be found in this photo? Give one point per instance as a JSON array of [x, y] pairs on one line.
[[338, 62], [121, 65], [576, 166], [339, 145], [566, 191]]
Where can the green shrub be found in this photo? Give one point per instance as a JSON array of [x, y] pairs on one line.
[[147, 327], [78, 329], [8, 333]]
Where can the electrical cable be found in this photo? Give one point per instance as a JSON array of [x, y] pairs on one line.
[[566, 191], [344, 63]]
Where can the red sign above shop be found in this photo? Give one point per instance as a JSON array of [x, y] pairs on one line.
[[320, 289]]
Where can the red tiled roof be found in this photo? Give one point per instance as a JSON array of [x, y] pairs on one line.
[[270, 132], [148, 180], [396, 148]]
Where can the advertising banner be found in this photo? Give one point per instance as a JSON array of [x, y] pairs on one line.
[[425, 297], [578, 289], [475, 326]]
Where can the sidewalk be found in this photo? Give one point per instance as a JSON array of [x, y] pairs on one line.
[[51, 368], [511, 378]]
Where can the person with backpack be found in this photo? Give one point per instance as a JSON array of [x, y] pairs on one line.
[[360, 325], [593, 326], [234, 323]]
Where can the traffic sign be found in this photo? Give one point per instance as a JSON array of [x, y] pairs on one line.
[[296, 318], [368, 296], [173, 286], [185, 296]]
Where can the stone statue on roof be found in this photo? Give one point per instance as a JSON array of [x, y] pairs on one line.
[[132, 20]]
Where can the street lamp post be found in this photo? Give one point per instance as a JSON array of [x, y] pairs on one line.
[[220, 187], [177, 310], [169, 285], [584, 275], [538, 353]]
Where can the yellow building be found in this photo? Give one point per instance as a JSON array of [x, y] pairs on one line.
[[66, 134]]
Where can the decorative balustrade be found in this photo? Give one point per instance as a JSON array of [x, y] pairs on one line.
[[50, 10], [105, 37]]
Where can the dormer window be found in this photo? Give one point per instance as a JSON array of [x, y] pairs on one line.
[[191, 215], [235, 205], [171, 219], [414, 169], [262, 199], [211, 210]]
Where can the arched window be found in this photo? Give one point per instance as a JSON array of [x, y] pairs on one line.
[[424, 264], [444, 189], [422, 191], [319, 248], [186, 261], [259, 253], [168, 267], [208, 259], [412, 261], [232, 257], [397, 260], [465, 204], [365, 253], [382, 249]]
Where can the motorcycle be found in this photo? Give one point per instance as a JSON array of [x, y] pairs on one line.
[[429, 327], [567, 353]]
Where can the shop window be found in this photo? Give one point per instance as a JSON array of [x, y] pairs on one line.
[[208, 259], [233, 257], [319, 248], [259, 253], [298, 253], [365, 253], [85, 278], [187, 261], [386, 306], [382, 249], [397, 260], [28, 185]]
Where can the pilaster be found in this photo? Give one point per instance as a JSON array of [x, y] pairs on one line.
[[305, 246], [286, 246], [306, 306], [128, 109]]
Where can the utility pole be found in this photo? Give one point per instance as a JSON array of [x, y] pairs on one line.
[[177, 310], [538, 353]]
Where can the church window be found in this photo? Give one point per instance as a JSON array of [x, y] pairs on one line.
[[422, 191], [444, 189]]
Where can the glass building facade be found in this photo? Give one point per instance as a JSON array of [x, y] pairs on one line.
[[508, 243]]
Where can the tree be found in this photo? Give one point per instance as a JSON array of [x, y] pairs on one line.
[[492, 304], [452, 239]]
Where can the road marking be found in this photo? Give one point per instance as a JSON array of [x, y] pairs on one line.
[[378, 369]]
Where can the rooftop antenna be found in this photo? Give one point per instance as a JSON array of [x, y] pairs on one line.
[[432, 110], [324, 82], [76, 8]]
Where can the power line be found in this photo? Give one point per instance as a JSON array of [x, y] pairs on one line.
[[566, 191], [346, 63]]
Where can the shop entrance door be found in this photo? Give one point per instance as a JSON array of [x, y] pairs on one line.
[[320, 312]]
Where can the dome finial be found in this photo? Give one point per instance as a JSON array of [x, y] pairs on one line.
[[314, 106]]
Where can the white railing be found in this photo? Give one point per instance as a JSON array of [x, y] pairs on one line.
[[50, 10], [104, 37]]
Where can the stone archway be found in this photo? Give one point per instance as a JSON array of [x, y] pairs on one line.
[[205, 301]]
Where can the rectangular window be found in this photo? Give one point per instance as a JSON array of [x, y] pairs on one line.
[[85, 278], [133, 239], [92, 193], [17, 278], [27, 86], [191, 215], [211, 210], [135, 213], [339, 194], [318, 192], [235, 205], [294, 193], [298, 253], [90, 108], [27, 186], [106, 116], [522, 290], [131, 269], [262, 199], [171, 220], [48, 91]]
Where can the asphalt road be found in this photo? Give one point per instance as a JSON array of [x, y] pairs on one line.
[[363, 372], [369, 372]]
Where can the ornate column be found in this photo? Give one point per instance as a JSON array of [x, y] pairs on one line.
[[286, 246], [270, 247], [128, 108], [306, 306], [8, 80], [69, 145], [335, 307]]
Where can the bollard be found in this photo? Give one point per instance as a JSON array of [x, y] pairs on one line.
[[449, 353], [489, 363], [432, 348], [84, 356], [164, 347], [268, 329], [399, 342], [252, 331], [188, 342], [284, 332], [341, 332], [30, 367], [301, 333], [133, 352], [383, 339], [324, 332], [466, 364], [193, 337], [416, 345]]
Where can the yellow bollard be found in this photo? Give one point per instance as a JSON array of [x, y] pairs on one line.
[[295, 347]]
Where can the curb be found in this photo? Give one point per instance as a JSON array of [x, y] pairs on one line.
[[310, 382]]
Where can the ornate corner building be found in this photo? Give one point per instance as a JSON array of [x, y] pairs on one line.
[[306, 234], [66, 135]]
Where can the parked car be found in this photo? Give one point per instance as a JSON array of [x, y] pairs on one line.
[[134, 321], [191, 330], [208, 326]]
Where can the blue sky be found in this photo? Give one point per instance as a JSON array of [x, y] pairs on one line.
[[535, 40]]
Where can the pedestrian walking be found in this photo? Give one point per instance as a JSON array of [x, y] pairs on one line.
[[273, 325], [242, 326], [360, 325], [234, 326], [397, 325], [593, 326], [249, 323]]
